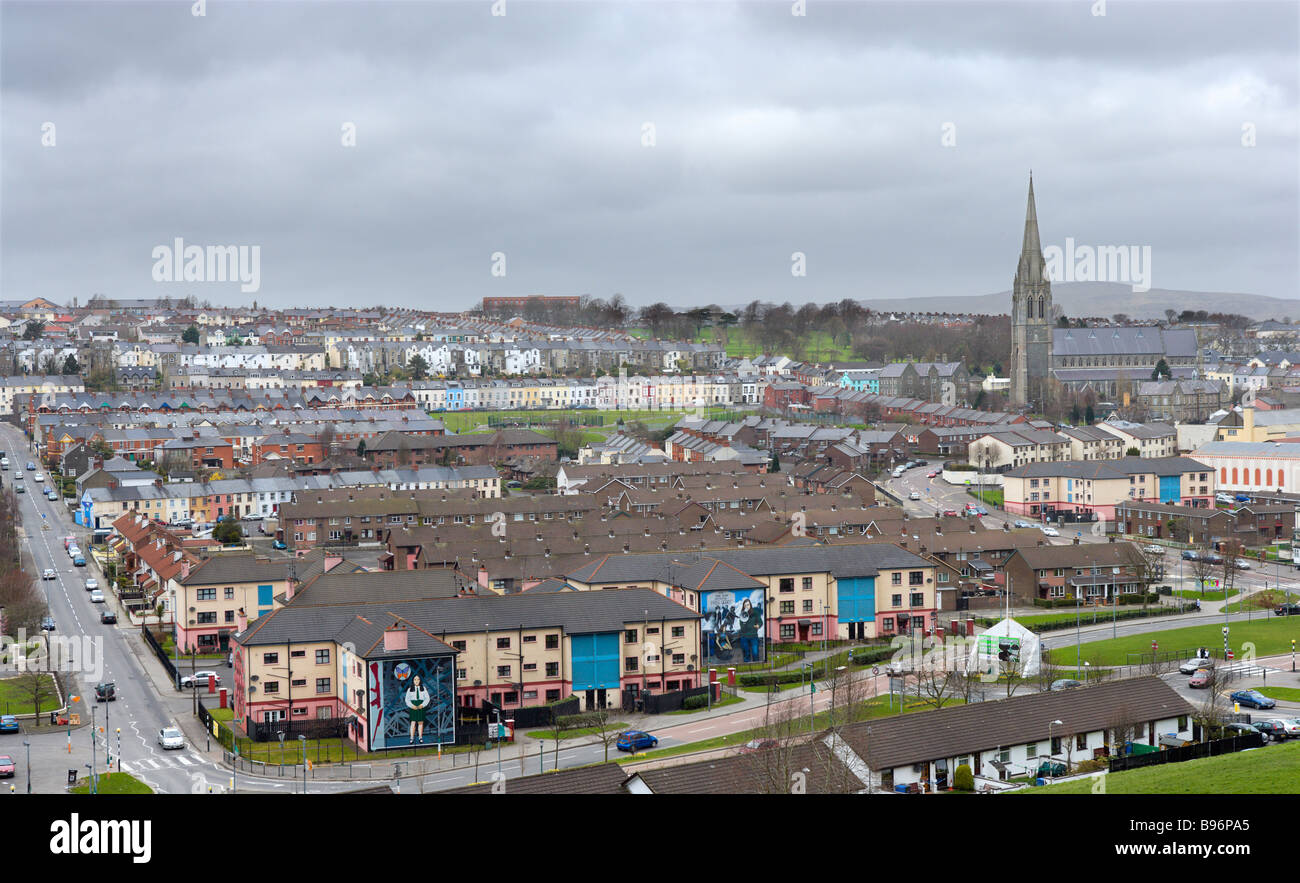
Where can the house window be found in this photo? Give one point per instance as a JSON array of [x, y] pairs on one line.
[[895, 600], [322, 657], [896, 579], [461, 674], [916, 578], [208, 618], [205, 595], [787, 608], [271, 687], [270, 658], [503, 643], [816, 628], [459, 645], [629, 636], [230, 593], [679, 631], [807, 583], [807, 605], [503, 671], [787, 632], [629, 664], [552, 642], [530, 639], [230, 616], [552, 669], [787, 584], [322, 685], [918, 599]]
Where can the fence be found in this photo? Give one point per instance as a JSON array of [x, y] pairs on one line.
[[316, 728], [1187, 752], [156, 646]]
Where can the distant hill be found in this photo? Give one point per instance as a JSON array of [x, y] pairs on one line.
[[1104, 299]]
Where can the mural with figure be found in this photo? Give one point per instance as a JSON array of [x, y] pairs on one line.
[[411, 702], [733, 626]]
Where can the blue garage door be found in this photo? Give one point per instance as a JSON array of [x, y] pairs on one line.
[[595, 662], [857, 599], [1170, 488]]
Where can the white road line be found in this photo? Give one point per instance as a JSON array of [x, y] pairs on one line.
[[183, 761]]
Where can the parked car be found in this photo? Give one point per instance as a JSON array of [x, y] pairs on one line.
[[199, 679], [79, 561], [1223, 498], [92, 584], [1020, 522], [1253, 698], [1051, 532], [753, 746], [1195, 664], [1201, 679], [106, 692], [8, 723], [1243, 498], [1291, 725], [108, 617], [278, 544], [952, 513], [6, 766], [4, 463], [1272, 730], [73, 551], [1064, 684], [52, 496], [171, 737], [47, 624], [38, 477], [1239, 729], [1242, 564], [97, 597], [1189, 555], [48, 573], [635, 740], [914, 495], [1289, 609]]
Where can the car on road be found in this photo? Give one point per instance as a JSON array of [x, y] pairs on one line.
[[753, 746], [4, 463], [8, 723], [79, 561], [1201, 679], [108, 617], [1063, 684], [48, 573], [1195, 664], [914, 495], [278, 544], [97, 597], [1189, 555], [951, 513], [31, 467], [170, 737], [1253, 698], [52, 496], [1020, 522], [38, 477], [47, 624], [1291, 608], [19, 489], [1051, 532], [635, 740], [1272, 730], [199, 679], [1242, 564], [934, 473], [106, 692], [92, 584], [6, 766]]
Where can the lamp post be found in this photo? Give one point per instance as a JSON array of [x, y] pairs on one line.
[[28, 746], [497, 712], [119, 749], [812, 689], [93, 746], [71, 699], [303, 741]]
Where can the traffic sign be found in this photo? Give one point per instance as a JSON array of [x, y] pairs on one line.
[[875, 669]]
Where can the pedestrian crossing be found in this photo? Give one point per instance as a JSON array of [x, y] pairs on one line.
[[171, 762], [1245, 670]]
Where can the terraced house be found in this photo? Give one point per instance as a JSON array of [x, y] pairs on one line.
[[1087, 491]]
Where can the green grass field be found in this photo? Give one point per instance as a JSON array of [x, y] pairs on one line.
[[544, 733], [1270, 636], [462, 422], [15, 698], [1207, 595], [113, 783], [1288, 694], [1273, 769], [988, 497]]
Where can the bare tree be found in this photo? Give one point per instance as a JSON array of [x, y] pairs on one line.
[[603, 725], [37, 686], [1124, 726], [1202, 567], [1231, 550]]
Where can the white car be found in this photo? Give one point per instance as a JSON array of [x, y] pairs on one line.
[[1243, 564], [36, 476], [171, 737], [1051, 532], [1191, 666], [92, 585], [200, 679], [914, 495], [73, 551], [49, 573], [97, 597]]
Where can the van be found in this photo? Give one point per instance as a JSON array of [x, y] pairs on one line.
[[4, 462]]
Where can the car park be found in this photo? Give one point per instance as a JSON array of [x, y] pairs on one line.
[[1252, 698], [108, 617], [8, 723], [1201, 679], [97, 597], [635, 740], [199, 679], [170, 737]]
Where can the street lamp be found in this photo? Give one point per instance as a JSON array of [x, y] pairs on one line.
[[303, 741], [812, 689], [28, 746]]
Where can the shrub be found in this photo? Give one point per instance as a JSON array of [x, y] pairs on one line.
[[963, 779], [693, 702]]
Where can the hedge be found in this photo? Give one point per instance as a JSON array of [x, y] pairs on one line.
[[861, 657], [985, 622]]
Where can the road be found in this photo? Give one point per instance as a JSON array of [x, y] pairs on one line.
[[140, 710]]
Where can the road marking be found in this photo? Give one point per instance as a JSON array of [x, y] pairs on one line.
[[183, 761]]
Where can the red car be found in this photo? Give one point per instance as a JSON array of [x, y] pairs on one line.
[[953, 513], [6, 766], [934, 474], [1200, 679]]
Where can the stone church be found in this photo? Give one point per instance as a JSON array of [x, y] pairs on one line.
[[1105, 359]]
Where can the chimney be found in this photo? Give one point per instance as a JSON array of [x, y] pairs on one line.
[[482, 579], [241, 620], [395, 639], [185, 570]]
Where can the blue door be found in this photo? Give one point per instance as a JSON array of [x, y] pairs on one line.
[[265, 600]]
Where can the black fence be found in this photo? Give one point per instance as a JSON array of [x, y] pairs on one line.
[[156, 646], [315, 728], [1194, 751]]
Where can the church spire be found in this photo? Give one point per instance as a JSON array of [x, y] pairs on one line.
[[1031, 247]]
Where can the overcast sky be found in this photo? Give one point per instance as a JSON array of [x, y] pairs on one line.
[[525, 134]]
